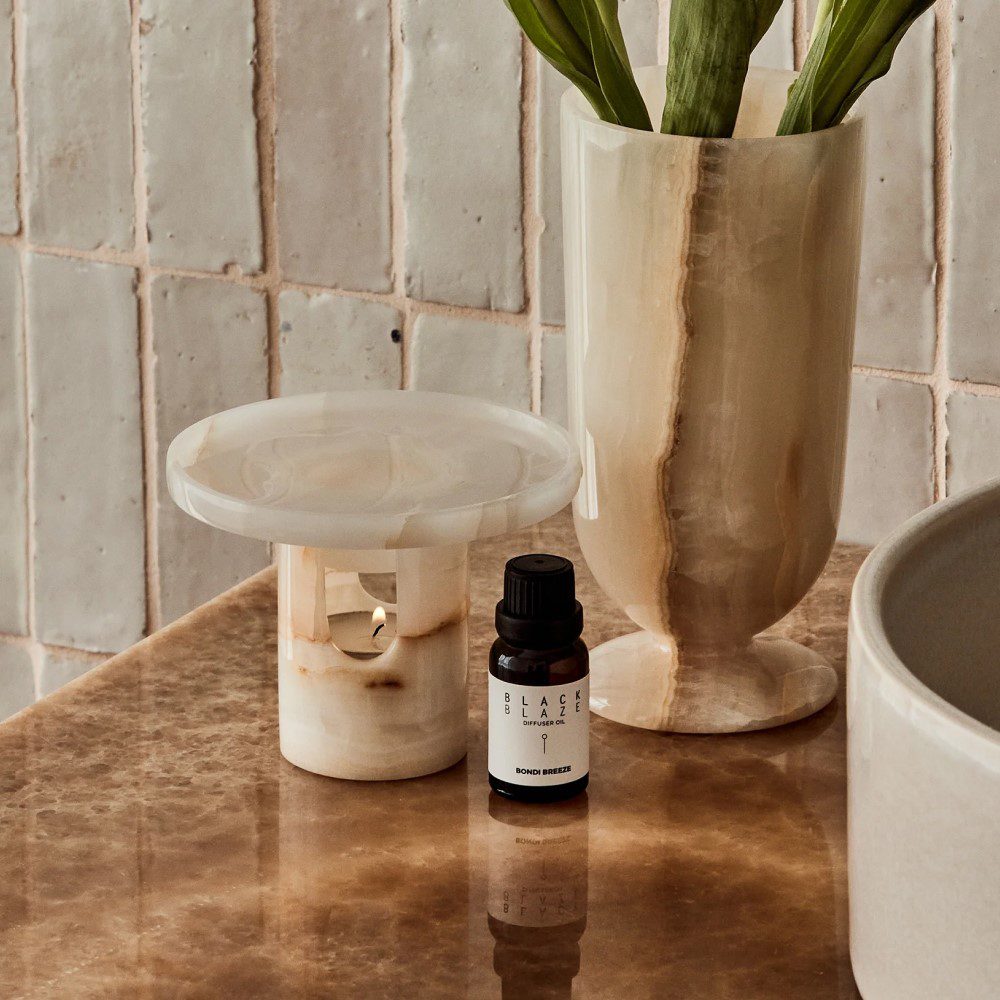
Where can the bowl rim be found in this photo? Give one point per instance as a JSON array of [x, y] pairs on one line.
[[866, 622]]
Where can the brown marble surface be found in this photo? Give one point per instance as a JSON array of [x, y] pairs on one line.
[[153, 843]]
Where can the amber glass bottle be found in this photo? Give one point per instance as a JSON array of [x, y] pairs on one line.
[[539, 691]]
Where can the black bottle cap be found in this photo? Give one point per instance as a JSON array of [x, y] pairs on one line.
[[539, 609]]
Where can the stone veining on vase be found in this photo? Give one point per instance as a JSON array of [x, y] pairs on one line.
[[711, 290]]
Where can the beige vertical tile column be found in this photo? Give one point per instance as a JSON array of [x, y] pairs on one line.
[[973, 440], [890, 460], [13, 452], [77, 119], [973, 309], [200, 134], [210, 351], [472, 357], [554, 401], [332, 142], [331, 342], [776, 50], [60, 666], [461, 129], [639, 19], [10, 221], [86, 454], [17, 680], [896, 307]]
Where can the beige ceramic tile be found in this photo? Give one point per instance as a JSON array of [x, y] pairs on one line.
[[78, 123], [89, 565], [17, 679], [13, 448], [334, 342], [973, 341], [332, 142], [474, 357], [889, 458], [200, 134], [973, 440], [60, 666], [461, 130], [9, 219], [210, 346]]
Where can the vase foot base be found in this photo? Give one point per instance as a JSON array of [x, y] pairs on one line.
[[637, 680]]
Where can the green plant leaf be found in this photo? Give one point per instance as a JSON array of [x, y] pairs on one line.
[[583, 40], [710, 46], [552, 33], [800, 94], [613, 70], [608, 12], [857, 47]]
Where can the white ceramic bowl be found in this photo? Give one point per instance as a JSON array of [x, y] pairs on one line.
[[924, 757]]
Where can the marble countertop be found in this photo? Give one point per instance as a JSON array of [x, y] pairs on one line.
[[153, 843]]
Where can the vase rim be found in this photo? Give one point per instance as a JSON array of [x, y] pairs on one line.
[[574, 103]]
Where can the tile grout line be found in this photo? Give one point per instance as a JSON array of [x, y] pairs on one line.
[[531, 221], [264, 101], [259, 281], [147, 392], [36, 647], [663, 31], [800, 33], [397, 191], [940, 382], [19, 243]]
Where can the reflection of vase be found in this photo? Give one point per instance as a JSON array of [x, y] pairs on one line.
[[722, 863], [711, 288]]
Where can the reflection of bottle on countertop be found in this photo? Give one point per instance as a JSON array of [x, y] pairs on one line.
[[539, 684], [537, 896]]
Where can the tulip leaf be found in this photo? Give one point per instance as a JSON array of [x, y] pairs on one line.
[[550, 31], [583, 40], [710, 46], [801, 93], [854, 47], [613, 71]]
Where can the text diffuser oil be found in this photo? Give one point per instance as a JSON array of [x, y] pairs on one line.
[[539, 684]]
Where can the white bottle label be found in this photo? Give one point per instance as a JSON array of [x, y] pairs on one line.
[[539, 735]]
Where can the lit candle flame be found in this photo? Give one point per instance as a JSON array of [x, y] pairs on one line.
[[378, 620]]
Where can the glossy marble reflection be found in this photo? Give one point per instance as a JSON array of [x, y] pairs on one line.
[[153, 843]]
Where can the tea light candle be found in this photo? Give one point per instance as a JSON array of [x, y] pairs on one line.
[[361, 635], [359, 483]]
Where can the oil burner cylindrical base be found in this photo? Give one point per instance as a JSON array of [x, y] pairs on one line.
[[400, 714]]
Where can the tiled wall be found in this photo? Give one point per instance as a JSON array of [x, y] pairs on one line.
[[202, 203]]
